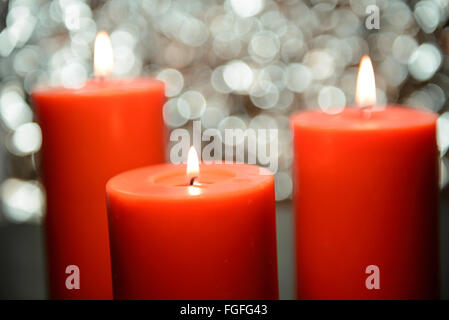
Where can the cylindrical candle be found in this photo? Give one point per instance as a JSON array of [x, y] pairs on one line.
[[366, 189], [215, 239], [89, 135]]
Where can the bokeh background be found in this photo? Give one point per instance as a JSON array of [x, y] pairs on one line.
[[231, 64]]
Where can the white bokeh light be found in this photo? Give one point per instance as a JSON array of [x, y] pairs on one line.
[[331, 100], [27, 139], [247, 8], [174, 81], [299, 77], [21, 200], [238, 75], [424, 61]]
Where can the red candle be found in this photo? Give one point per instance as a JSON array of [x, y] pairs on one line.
[[89, 135], [366, 190], [177, 237]]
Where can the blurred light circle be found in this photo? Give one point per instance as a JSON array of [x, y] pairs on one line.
[[232, 122], [283, 186], [27, 139], [398, 14], [174, 81], [212, 117], [299, 77], [13, 109], [421, 99], [218, 81], [80, 47], [20, 22], [194, 101], [275, 21], [193, 32], [430, 97], [394, 72], [263, 122], [321, 64], [427, 15], [172, 116], [444, 173], [424, 62], [381, 100], [72, 16], [331, 100], [238, 75], [242, 27], [123, 38], [359, 6], [7, 42], [443, 133], [26, 60], [265, 45], [437, 94], [347, 22], [156, 7], [274, 74], [264, 95], [286, 98], [73, 75], [403, 46], [221, 23], [226, 45], [21, 200], [247, 8], [124, 60], [177, 55], [292, 49]]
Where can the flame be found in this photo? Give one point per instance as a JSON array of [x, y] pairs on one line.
[[193, 166], [365, 93], [103, 59]]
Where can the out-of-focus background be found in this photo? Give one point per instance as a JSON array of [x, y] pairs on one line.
[[231, 64]]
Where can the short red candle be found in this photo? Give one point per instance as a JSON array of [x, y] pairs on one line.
[[89, 135], [366, 190], [170, 240]]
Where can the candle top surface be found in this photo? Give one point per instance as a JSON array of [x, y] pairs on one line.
[[169, 181], [106, 86], [352, 118]]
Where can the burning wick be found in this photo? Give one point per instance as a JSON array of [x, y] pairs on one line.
[[103, 59], [365, 93], [193, 167]]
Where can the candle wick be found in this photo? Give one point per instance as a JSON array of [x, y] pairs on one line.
[[192, 181]]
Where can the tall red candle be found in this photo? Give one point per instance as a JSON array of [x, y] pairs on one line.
[[89, 135], [366, 190], [212, 240]]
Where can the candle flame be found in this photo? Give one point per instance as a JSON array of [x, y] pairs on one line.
[[103, 59], [365, 93], [193, 166]]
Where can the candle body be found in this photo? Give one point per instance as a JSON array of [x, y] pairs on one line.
[[366, 193], [89, 135], [214, 242]]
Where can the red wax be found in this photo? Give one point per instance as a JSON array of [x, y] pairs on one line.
[[89, 135], [366, 190], [216, 240]]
